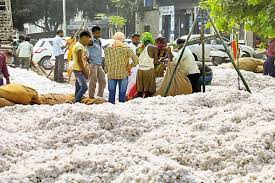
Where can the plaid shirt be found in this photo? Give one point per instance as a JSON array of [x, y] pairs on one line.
[[117, 60]]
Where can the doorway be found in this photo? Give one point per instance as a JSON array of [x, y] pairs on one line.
[[166, 26]]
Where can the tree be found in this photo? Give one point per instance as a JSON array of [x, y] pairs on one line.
[[21, 13], [127, 8], [256, 15], [117, 21], [49, 12]]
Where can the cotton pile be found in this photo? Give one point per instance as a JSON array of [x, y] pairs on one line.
[[223, 135]]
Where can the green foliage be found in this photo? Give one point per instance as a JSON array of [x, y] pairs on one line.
[[117, 21], [50, 11], [257, 15], [33, 11]]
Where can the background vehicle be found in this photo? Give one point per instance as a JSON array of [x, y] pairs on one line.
[[218, 57], [215, 44], [42, 54]]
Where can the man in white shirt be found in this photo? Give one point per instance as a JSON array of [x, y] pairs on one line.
[[135, 42], [58, 52], [24, 53], [189, 66], [133, 72]]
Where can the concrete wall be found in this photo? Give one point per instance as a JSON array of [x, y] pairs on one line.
[[149, 18]]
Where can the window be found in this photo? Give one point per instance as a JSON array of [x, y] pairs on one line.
[[2, 6], [147, 28], [148, 3], [39, 43]]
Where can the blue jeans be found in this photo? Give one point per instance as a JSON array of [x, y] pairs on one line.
[[122, 83], [80, 85], [1, 82]]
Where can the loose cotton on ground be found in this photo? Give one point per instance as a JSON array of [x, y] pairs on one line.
[[224, 135]]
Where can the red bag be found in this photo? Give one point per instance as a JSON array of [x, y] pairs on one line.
[[132, 93]]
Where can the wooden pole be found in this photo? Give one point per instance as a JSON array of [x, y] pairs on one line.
[[203, 49], [179, 60], [230, 56]]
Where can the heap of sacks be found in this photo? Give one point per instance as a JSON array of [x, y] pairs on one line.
[[19, 94], [249, 64]]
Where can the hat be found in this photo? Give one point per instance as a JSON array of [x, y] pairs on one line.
[[134, 35]]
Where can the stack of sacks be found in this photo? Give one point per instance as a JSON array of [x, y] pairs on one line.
[[249, 64], [53, 98], [17, 94]]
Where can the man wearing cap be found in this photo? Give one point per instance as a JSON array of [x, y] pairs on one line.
[[135, 42]]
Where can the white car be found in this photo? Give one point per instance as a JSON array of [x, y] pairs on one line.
[[42, 54], [215, 44]]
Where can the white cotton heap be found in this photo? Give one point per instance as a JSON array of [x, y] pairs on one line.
[[224, 135]]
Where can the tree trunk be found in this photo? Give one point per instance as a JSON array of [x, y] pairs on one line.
[[37, 25], [57, 24], [46, 23]]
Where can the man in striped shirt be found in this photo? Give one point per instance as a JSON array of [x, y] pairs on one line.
[[117, 67]]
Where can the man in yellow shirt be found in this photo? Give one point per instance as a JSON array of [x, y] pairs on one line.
[[79, 68]]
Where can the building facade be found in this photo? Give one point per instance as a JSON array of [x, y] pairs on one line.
[[170, 19], [6, 24]]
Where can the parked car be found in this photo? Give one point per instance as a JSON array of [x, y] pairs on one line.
[[215, 44], [218, 57], [42, 54]]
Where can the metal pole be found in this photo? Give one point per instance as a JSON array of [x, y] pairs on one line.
[[64, 18], [203, 50], [230, 56], [183, 49], [238, 58]]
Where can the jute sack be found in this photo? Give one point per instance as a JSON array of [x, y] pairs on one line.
[[4, 102], [180, 84], [19, 94], [250, 64], [159, 70], [53, 98], [259, 69], [89, 101]]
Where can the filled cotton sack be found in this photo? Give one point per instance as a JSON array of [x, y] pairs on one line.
[[259, 69], [250, 64], [89, 101], [53, 98], [159, 70], [4, 102], [180, 84], [19, 94]]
